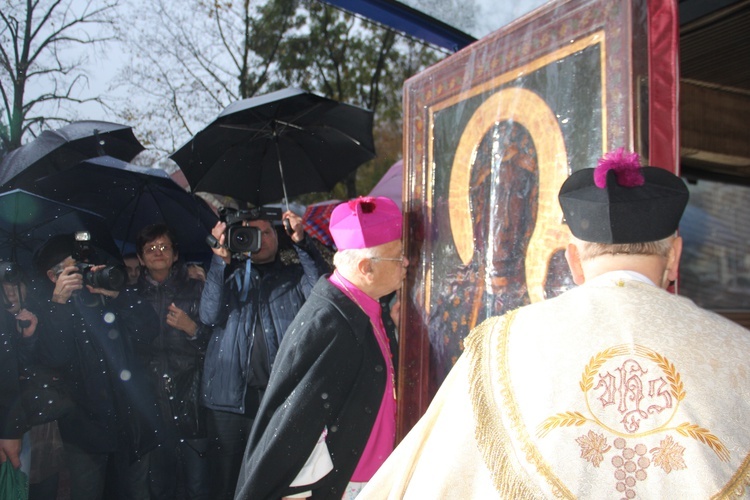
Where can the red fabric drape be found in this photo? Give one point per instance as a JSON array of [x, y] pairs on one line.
[[663, 61]]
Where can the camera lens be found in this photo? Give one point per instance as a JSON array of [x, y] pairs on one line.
[[109, 278], [244, 239]]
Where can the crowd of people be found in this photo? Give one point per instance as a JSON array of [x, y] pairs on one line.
[[272, 374]]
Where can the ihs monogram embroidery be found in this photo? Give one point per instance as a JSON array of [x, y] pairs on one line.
[[629, 397]]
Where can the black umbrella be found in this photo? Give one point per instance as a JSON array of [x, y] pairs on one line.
[[28, 220], [56, 150], [130, 198], [281, 144]]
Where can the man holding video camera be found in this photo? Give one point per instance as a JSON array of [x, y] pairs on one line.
[[90, 336], [251, 295]]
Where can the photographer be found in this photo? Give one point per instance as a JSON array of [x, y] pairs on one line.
[[250, 302], [90, 336]]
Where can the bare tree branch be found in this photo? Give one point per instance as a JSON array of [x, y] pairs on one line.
[[38, 50]]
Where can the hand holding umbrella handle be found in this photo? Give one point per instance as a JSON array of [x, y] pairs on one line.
[[293, 226]]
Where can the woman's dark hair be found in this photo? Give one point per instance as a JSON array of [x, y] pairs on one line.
[[150, 233]]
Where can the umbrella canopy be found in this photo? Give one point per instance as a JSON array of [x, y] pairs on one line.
[[28, 220], [130, 198], [281, 144], [317, 219], [56, 150], [391, 184]]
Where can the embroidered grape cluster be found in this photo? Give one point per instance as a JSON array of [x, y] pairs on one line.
[[630, 466]]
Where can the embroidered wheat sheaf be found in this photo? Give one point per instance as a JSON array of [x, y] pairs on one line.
[[705, 437], [567, 419], [596, 362], [673, 377]]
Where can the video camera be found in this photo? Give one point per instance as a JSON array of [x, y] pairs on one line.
[[110, 278], [243, 239]]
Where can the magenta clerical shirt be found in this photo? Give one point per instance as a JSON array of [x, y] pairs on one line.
[[383, 435]]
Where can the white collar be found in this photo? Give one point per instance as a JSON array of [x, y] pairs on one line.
[[619, 275]]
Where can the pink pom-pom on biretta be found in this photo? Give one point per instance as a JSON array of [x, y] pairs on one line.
[[626, 165]]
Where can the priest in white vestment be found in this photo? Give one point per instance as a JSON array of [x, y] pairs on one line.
[[615, 389]]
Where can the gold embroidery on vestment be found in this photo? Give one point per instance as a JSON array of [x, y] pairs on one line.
[[493, 441]]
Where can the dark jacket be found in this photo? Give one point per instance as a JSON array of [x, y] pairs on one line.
[[274, 297], [18, 359], [12, 348], [93, 345], [173, 358], [330, 373]]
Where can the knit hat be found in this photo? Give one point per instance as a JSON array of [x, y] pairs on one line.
[[620, 201], [365, 222]]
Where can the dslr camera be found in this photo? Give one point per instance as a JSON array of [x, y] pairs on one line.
[[110, 278], [243, 239]]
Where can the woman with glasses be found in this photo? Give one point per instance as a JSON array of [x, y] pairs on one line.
[[174, 360]]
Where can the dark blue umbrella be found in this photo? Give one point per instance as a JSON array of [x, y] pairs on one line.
[[277, 145], [56, 150], [27, 221], [131, 197]]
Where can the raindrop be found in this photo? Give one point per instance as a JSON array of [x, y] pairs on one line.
[[109, 317], [125, 375], [113, 334]]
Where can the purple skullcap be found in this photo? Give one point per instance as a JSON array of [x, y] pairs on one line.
[[365, 222]]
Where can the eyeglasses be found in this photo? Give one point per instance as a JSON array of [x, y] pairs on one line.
[[394, 259], [162, 248]]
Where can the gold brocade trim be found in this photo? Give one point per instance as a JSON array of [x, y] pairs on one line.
[[492, 439], [735, 488]]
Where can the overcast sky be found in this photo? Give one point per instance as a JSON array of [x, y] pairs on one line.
[[487, 16]]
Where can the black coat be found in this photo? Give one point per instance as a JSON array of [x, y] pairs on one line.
[[93, 345], [17, 355], [173, 359], [12, 418], [329, 372]]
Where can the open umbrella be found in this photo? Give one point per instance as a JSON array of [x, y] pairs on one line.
[[130, 198], [317, 219], [390, 185], [28, 220], [281, 144], [56, 150]]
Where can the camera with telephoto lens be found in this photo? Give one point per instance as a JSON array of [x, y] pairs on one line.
[[110, 278], [243, 239]]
